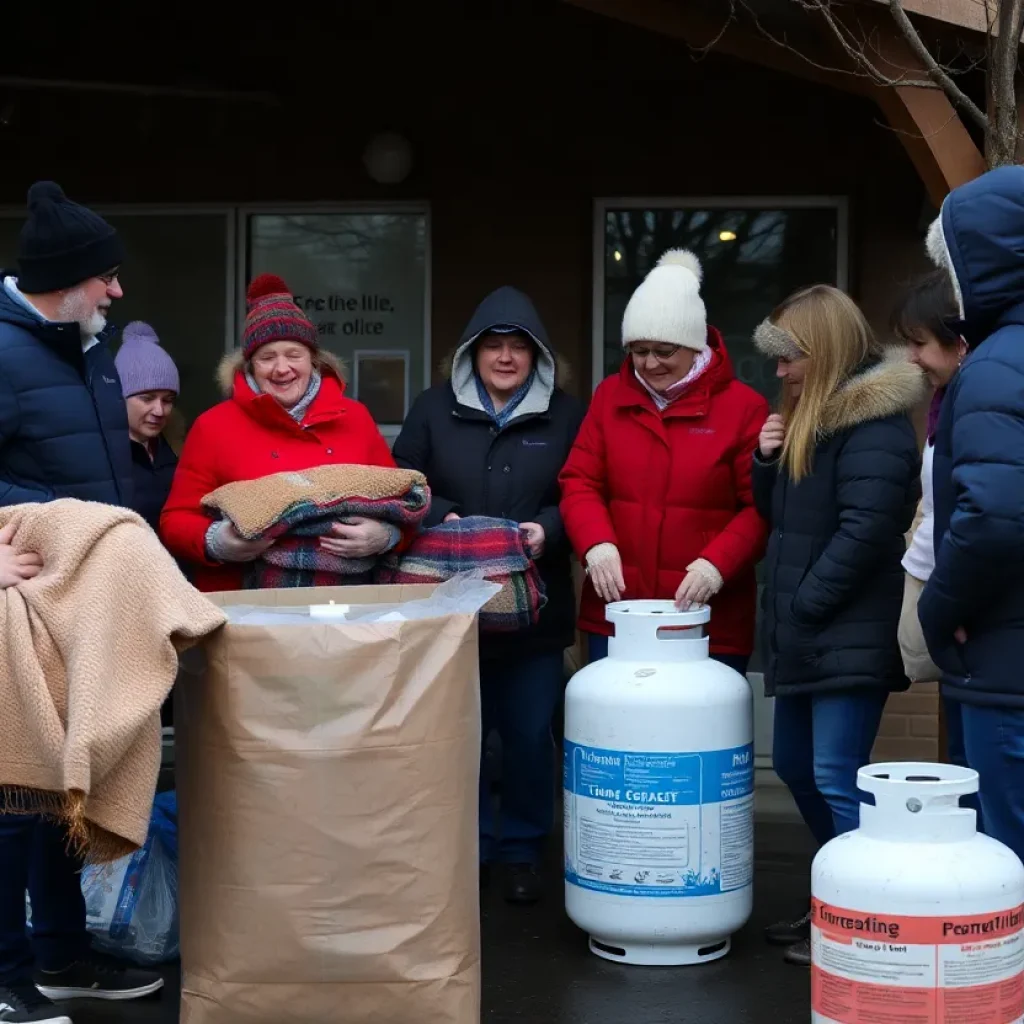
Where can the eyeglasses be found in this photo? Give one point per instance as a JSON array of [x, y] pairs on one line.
[[663, 353]]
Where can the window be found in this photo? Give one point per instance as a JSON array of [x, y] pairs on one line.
[[362, 277], [754, 254]]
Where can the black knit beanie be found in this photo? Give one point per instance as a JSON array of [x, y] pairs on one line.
[[63, 244]]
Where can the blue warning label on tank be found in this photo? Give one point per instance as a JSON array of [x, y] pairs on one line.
[[659, 824]]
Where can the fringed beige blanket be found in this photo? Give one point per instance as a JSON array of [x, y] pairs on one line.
[[88, 653]]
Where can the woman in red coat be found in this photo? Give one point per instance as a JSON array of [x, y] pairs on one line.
[[286, 410], [656, 494]]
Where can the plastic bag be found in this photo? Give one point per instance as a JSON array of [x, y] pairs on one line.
[[131, 905], [464, 594]]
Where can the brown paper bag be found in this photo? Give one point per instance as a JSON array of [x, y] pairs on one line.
[[327, 788]]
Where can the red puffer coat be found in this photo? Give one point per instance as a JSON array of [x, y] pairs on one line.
[[249, 436], [668, 488]]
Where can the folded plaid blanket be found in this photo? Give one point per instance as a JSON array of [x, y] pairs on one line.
[[298, 508], [493, 548]]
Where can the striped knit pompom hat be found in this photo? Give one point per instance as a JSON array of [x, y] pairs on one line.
[[273, 316]]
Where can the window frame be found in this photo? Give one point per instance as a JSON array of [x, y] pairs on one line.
[[245, 211], [746, 202]]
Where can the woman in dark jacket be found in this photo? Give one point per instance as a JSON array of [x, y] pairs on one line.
[[836, 476], [150, 385], [491, 442]]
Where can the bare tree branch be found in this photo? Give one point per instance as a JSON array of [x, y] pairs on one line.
[[704, 50], [860, 72], [937, 73], [868, 58]]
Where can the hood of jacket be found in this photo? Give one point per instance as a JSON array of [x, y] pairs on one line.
[[888, 387], [233, 363], [979, 239], [509, 307]]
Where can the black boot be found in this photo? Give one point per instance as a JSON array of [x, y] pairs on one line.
[[799, 954], [788, 933], [523, 884]]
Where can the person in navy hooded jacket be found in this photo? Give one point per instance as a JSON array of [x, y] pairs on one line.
[[63, 434], [972, 608]]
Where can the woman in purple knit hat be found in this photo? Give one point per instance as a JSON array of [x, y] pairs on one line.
[[150, 385]]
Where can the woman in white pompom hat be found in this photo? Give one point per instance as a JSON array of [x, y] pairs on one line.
[[656, 494]]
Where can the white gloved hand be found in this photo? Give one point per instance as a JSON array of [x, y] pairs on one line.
[[604, 567], [701, 583]]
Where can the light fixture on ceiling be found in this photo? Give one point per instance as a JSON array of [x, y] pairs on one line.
[[727, 236], [388, 158]]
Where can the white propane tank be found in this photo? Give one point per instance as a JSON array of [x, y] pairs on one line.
[[915, 916], [659, 792]]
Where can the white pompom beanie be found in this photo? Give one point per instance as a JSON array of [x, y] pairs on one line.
[[667, 307]]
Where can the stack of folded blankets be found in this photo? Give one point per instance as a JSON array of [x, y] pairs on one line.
[[492, 548], [296, 509]]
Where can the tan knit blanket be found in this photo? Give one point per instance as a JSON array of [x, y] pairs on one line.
[[279, 503], [89, 653]]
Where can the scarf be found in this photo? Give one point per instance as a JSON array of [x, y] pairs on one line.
[[299, 410], [502, 418], [933, 413], [664, 399]]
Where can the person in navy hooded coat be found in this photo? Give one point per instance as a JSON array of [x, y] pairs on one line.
[[972, 608]]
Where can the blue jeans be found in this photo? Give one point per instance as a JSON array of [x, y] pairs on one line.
[[956, 752], [33, 856], [821, 741], [518, 700], [994, 743], [597, 648]]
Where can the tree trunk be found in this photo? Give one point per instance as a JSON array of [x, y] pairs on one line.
[[1001, 136]]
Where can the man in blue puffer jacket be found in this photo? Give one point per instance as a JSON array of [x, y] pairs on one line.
[[63, 434], [972, 609]]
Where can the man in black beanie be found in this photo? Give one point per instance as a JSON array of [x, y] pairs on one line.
[[63, 434]]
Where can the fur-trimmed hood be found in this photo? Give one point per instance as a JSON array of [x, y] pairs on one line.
[[978, 238], [890, 386], [232, 363]]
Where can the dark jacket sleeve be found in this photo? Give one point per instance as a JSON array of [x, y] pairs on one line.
[[413, 449], [876, 479], [762, 481], [984, 545], [549, 518], [11, 492]]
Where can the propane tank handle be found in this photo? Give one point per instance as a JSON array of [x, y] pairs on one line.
[[646, 619], [910, 794]]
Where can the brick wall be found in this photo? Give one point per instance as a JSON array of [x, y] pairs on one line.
[[910, 726]]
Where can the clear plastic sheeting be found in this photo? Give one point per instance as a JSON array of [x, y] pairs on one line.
[[465, 594]]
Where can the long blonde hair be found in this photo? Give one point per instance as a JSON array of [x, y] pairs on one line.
[[827, 326]]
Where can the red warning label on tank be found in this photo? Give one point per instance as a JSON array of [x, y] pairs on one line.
[[876, 968]]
